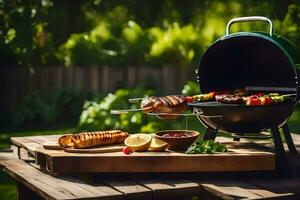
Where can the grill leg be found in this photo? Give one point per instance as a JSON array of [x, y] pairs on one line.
[[237, 139], [289, 139], [282, 166], [210, 134]]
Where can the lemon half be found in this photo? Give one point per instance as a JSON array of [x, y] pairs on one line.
[[138, 142], [158, 145]]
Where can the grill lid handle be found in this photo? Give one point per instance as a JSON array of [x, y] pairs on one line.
[[249, 19]]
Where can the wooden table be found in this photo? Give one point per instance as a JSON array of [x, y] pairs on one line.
[[32, 183], [241, 156]]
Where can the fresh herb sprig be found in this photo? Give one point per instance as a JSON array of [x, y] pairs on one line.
[[206, 147]]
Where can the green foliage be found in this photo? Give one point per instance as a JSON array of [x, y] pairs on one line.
[[134, 45], [206, 147], [59, 106], [28, 36], [175, 45], [101, 46], [290, 26], [47, 32], [191, 88], [96, 114]]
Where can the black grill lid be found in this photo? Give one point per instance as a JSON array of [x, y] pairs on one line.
[[247, 60]]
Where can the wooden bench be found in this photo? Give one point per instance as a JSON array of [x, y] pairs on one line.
[[32, 183]]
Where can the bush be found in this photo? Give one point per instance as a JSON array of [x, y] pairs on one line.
[[32, 32], [133, 45], [101, 46], [175, 45], [191, 88], [96, 114], [59, 106]]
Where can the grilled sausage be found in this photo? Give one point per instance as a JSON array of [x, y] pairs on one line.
[[66, 140], [92, 139]]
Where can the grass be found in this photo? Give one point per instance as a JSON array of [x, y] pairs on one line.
[[7, 187], [5, 135], [294, 121], [7, 184]]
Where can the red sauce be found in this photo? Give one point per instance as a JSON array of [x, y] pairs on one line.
[[176, 135]]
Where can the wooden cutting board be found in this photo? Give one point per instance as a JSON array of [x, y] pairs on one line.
[[103, 149], [53, 145]]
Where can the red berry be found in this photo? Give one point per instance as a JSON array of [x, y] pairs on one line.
[[127, 150]]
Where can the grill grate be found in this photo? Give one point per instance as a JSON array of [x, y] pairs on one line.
[[212, 104]]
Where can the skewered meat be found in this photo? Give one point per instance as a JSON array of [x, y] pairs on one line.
[[92, 139], [220, 97], [229, 99], [173, 104]]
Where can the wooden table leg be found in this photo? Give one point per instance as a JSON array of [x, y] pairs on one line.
[[236, 138], [24, 193]]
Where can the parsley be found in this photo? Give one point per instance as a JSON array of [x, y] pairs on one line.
[[206, 147]]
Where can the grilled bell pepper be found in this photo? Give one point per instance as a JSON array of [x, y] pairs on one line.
[[277, 99], [204, 97]]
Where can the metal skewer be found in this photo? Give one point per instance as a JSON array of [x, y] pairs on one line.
[[178, 114], [118, 112], [135, 100]]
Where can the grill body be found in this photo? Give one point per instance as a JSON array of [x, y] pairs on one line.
[[248, 60], [241, 118]]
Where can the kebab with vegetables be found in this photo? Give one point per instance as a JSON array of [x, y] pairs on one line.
[[172, 105], [262, 99], [239, 96], [168, 107]]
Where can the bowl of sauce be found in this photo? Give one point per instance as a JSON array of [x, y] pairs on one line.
[[178, 139]]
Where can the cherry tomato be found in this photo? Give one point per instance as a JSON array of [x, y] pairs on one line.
[[253, 101], [189, 99], [268, 100], [127, 150]]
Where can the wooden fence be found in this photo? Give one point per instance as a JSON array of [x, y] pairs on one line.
[[17, 82]]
